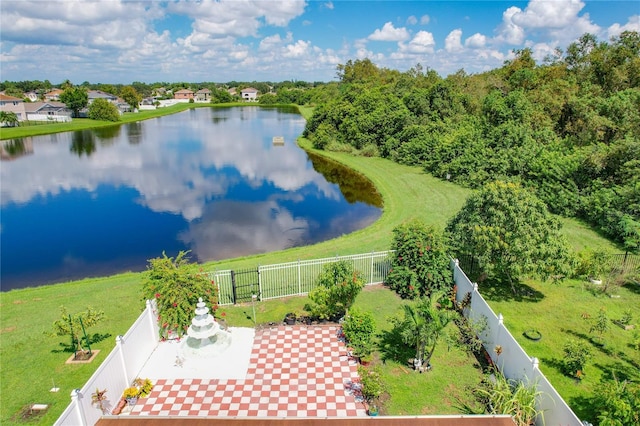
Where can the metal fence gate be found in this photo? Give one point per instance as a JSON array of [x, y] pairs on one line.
[[244, 284]]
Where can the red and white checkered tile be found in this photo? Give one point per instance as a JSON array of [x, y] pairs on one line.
[[295, 371]]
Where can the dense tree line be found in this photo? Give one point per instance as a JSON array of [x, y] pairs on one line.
[[568, 129]]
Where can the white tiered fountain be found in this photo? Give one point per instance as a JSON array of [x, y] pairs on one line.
[[205, 338]]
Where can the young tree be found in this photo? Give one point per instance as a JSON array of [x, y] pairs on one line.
[[75, 98], [102, 109], [10, 119], [420, 263], [176, 289], [511, 232], [131, 96], [422, 325], [336, 289], [75, 325]]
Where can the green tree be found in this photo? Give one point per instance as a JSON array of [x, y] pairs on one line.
[[268, 99], [131, 96], [75, 325], [9, 119], [336, 289], [359, 328], [617, 402], [420, 262], [102, 109], [176, 289], [75, 98], [422, 325], [511, 232]]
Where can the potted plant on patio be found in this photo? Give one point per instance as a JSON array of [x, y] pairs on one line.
[[131, 395], [372, 387], [99, 398]]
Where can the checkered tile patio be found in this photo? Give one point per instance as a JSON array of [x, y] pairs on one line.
[[294, 371]]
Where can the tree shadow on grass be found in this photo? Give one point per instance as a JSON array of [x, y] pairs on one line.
[[69, 348], [500, 291], [554, 363], [583, 407], [620, 371], [392, 348]]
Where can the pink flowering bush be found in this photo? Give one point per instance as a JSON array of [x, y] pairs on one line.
[[176, 287]]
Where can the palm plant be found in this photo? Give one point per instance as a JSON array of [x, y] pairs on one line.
[[423, 324]]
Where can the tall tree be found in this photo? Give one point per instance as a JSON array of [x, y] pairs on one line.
[[131, 96], [511, 232], [75, 98], [102, 109]]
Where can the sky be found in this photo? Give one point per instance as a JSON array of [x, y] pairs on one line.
[[122, 41]]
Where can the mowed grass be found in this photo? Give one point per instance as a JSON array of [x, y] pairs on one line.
[[557, 310], [30, 360]]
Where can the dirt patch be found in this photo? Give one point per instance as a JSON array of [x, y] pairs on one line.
[[29, 412], [8, 329], [18, 302], [37, 299], [82, 357]]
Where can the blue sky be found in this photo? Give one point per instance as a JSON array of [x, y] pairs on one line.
[[121, 41]]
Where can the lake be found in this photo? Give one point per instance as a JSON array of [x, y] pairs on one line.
[[210, 180]]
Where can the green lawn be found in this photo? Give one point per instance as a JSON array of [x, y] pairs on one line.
[[556, 311], [30, 360]]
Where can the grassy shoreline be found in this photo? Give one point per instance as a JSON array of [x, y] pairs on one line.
[[31, 361]]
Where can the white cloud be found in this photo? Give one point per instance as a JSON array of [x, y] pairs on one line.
[[633, 24], [548, 14], [425, 19], [389, 33], [475, 41], [452, 42], [508, 31], [296, 49], [423, 42], [328, 5], [412, 20]]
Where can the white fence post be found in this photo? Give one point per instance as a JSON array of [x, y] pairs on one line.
[[260, 282], [120, 349], [299, 279], [75, 397], [151, 317]]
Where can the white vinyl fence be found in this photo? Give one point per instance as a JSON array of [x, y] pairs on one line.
[[298, 278], [513, 360], [116, 372]]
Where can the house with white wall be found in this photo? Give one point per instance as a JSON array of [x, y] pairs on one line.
[[249, 94]]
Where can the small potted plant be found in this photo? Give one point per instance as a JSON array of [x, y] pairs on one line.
[[99, 398], [372, 387], [131, 395]]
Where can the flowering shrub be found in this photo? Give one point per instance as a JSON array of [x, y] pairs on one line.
[[176, 288], [420, 264], [359, 328], [336, 289]]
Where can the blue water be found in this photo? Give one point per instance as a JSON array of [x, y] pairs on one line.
[[94, 203]]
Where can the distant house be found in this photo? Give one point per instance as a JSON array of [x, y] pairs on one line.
[[99, 94], [32, 96], [232, 91], [53, 95], [47, 111], [183, 94], [249, 94], [203, 95], [12, 104]]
